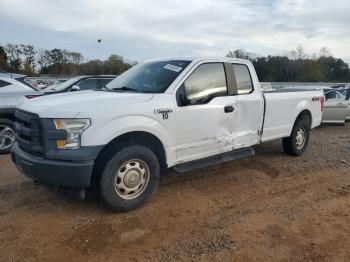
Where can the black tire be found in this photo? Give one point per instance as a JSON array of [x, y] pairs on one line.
[[290, 145], [10, 124], [108, 189]]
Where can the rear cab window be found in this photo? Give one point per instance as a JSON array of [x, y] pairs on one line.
[[243, 79]]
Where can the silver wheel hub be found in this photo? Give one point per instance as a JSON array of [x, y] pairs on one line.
[[300, 138], [7, 137], [131, 179]]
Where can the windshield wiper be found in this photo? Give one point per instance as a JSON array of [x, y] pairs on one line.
[[124, 88]]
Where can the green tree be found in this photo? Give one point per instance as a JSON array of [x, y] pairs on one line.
[[28, 53], [3, 59], [334, 69], [92, 67], [43, 60], [297, 67], [240, 53], [13, 53], [115, 65]]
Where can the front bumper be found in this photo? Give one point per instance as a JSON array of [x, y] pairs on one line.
[[67, 174]]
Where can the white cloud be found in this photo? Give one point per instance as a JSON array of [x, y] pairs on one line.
[[142, 29]]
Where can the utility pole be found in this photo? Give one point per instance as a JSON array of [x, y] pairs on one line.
[[98, 48]]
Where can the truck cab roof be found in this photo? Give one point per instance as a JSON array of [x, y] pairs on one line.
[[199, 59]]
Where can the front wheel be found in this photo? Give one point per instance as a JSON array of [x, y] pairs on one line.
[[129, 178], [297, 143], [7, 135]]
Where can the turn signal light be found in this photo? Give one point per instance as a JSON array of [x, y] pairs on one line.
[[60, 143]]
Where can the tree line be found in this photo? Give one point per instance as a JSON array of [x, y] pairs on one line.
[[296, 66], [28, 60]]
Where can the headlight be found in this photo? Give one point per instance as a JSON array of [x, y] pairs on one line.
[[74, 128]]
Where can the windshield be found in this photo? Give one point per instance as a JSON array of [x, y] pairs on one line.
[[150, 77], [64, 85]]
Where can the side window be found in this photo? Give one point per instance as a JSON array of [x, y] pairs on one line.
[[206, 82], [343, 92], [243, 79], [88, 84], [333, 95], [4, 83], [102, 82], [340, 95]]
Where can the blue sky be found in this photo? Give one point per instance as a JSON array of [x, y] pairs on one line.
[[142, 29]]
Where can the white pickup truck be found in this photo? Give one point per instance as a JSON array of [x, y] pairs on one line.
[[181, 113]]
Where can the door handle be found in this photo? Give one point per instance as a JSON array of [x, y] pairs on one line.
[[229, 109]]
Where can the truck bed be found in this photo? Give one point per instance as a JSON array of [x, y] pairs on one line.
[[282, 108], [287, 90]]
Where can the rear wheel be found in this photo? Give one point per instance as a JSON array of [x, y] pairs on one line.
[[129, 178], [297, 143], [7, 135]]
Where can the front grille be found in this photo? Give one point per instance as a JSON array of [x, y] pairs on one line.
[[28, 132]]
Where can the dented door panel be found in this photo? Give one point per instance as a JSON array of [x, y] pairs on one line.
[[204, 130]]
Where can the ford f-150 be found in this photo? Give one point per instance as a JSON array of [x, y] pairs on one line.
[[183, 113]]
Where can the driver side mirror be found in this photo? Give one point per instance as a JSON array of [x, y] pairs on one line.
[[181, 97], [75, 88]]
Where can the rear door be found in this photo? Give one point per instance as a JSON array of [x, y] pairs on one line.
[[335, 108], [249, 106], [204, 113]]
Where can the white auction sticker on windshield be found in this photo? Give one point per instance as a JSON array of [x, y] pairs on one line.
[[172, 68]]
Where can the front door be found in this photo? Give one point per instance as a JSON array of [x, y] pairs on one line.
[[335, 108], [205, 114]]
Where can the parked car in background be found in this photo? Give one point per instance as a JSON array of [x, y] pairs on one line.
[[265, 86], [14, 89], [55, 84], [60, 81], [40, 84], [337, 105], [81, 83]]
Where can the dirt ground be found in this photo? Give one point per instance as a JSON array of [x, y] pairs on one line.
[[270, 207]]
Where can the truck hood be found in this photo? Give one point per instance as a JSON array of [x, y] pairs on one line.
[[69, 105]]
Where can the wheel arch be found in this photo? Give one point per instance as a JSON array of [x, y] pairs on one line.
[[7, 114], [304, 114], [143, 138]]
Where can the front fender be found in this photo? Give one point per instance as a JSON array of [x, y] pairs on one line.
[[126, 124], [105, 133]]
